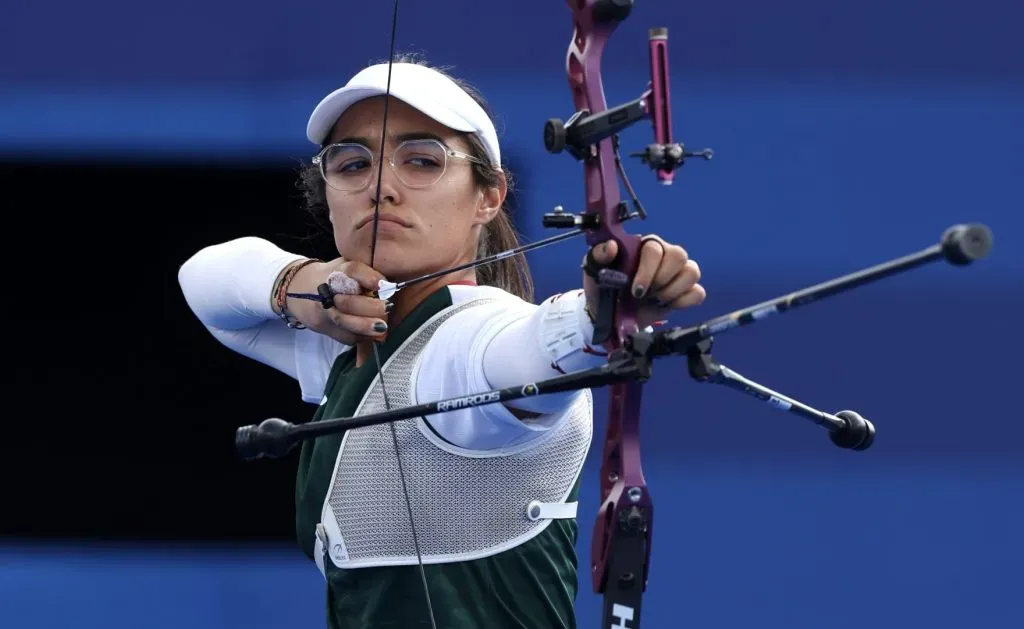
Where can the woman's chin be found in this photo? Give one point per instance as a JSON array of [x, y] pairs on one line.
[[396, 267]]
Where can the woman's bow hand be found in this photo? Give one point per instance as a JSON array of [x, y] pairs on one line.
[[666, 279]]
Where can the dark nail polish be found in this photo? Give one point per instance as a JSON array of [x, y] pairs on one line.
[[388, 306], [380, 327], [638, 290]]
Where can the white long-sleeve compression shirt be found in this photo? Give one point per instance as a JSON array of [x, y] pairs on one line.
[[505, 343]]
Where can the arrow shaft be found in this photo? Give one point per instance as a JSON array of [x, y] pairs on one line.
[[492, 258]]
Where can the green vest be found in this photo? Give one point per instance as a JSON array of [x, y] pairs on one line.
[[532, 586]]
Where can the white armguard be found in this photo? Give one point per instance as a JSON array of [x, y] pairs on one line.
[[565, 332], [551, 340]]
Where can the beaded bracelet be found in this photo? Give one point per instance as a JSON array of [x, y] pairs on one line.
[[281, 289]]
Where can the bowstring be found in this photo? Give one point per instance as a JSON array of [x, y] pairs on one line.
[[376, 353]]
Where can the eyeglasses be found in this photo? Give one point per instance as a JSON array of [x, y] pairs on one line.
[[417, 163]]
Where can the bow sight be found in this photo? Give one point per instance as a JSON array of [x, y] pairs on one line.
[[580, 134]]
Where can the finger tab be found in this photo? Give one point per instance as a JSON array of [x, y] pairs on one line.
[[342, 284]]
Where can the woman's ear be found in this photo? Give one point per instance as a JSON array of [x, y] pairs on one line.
[[492, 199]]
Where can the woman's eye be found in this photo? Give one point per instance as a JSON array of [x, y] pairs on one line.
[[351, 165], [422, 162]]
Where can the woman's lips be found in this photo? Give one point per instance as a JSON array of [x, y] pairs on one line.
[[384, 219]]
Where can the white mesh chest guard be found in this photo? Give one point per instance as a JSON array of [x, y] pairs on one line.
[[465, 505]]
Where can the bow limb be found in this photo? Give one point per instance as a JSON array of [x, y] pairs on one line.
[[621, 543]]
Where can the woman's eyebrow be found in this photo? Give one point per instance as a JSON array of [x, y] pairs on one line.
[[402, 137]]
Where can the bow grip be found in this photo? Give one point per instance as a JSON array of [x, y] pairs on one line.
[[615, 317]]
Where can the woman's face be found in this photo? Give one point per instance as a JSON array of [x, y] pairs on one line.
[[421, 229]]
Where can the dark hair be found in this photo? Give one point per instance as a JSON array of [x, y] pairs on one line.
[[511, 274]]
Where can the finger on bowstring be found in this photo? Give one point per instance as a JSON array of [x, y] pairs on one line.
[[363, 326], [651, 254], [362, 306], [685, 278]]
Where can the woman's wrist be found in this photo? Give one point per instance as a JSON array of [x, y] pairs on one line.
[[284, 284]]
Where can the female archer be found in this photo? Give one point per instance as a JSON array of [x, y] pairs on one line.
[[474, 507]]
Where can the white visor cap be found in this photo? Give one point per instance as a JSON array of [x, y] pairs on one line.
[[422, 88]]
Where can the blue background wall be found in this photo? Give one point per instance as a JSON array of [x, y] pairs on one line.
[[846, 133]]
